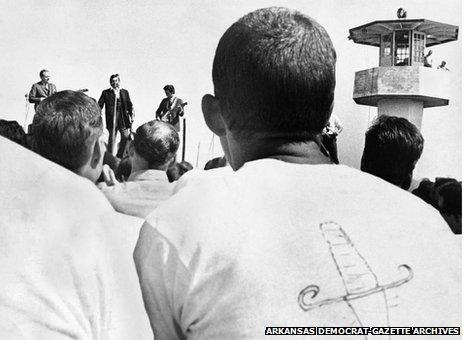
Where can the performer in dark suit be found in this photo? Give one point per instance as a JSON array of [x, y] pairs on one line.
[[117, 101], [170, 108], [42, 89]]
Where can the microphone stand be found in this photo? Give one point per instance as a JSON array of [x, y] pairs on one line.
[[27, 113], [183, 138]]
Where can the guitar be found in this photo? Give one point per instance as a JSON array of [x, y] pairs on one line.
[[177, 110]]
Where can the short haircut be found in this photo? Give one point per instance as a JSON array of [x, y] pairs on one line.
[[274, 70], [156, 142], [169, 88], [42, 72], [65, 127], [393, 146], [114, 76]]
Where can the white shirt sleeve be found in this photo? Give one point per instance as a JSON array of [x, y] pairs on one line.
[[164, 280]]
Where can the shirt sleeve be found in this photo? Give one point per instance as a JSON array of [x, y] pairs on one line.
[[159, 110], [101, 101], [33, 95], [164, 281]]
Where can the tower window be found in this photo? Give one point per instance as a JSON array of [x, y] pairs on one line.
[[402, 48]]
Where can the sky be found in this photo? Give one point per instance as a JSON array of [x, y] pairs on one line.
[[154, 43]]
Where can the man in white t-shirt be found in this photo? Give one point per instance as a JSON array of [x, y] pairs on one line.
[[66, 269], [289, 239]]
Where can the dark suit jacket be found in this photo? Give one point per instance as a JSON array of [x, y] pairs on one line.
[[176, 111], [123, 121], [38, 91]]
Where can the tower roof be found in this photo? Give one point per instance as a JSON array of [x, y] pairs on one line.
[[436, 32]]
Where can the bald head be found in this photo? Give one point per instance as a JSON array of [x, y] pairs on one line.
[[157, 143]]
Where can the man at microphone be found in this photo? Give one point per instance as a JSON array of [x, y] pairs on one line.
[[42, 89], [119, 114]]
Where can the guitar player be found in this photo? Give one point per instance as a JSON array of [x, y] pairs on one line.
[[170, 108]]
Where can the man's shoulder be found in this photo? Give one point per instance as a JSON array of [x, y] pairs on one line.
[[105, 92]]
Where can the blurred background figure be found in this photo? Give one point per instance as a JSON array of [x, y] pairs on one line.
[[176, 170], [218, 162], [329, 137], [442, 66], [445, 194]]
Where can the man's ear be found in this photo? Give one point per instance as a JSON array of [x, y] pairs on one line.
[[212, 115], [97, 153]]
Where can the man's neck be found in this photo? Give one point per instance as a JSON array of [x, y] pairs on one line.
[[299, 152], [142, 165]]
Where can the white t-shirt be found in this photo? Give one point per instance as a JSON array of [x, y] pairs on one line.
[[279, 244], [66, 267], [141, 194]]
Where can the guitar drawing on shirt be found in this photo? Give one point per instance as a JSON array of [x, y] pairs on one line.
[[358, 279]]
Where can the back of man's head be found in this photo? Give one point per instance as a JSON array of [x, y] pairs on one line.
[[274, 71], [157, 143], [66, 128], [392, 148]]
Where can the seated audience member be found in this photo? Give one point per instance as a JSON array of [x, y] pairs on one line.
[[13, 131], [66, 269], [392, 148], [67, 127], [152, 151], [288, 238], [217, 162], [445, 194], [176, 170], [450, 204], [124, 169], [425, 191]]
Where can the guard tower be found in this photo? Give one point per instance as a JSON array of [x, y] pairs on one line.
[[402, 85]]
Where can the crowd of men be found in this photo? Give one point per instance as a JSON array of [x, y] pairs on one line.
[[276, 234]]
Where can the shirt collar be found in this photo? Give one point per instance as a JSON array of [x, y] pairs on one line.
[[148, 175]]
